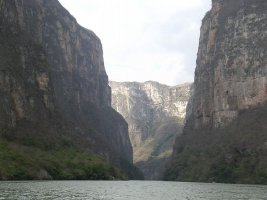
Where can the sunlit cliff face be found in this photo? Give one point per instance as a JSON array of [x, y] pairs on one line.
[[231, 66]]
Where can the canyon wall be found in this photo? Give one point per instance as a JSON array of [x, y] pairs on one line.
[[224, 139], [155, 114], [231, 65], [53, 81]]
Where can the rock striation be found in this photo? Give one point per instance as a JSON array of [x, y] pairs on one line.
[[53, 80], [154, 113], [231, 66], [230, 93]]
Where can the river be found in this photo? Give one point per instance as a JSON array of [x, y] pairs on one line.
[[128, 190]]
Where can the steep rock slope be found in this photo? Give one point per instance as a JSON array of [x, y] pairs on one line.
[[224, 138], [54, 87], [155, 114]]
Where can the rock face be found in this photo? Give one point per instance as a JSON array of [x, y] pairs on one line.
[[155, 115], [231, 65], [230, 87], [53, 79]]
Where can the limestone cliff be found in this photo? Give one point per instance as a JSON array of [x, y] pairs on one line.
[[231, 65], [224, 138], [53, 80], [155, 114]]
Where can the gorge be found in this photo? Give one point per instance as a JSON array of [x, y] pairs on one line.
[[61, 118], [155, 115]]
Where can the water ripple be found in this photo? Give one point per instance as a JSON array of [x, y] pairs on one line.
[[128, 190]]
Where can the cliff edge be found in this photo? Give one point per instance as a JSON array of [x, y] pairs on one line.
[[224, 139], [54, 88]]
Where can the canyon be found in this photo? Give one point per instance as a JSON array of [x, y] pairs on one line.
[[155, 115], [61, 117]]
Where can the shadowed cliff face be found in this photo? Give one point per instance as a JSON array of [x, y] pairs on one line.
[[154, 113], [53, 80], [224, 135]]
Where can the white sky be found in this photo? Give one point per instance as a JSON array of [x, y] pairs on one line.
[[144, 39]]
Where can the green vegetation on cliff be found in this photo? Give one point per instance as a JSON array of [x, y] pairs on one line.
[[40, 151], [67, 162], [234, 154]]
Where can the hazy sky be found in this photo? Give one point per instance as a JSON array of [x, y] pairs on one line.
[[144, 39]]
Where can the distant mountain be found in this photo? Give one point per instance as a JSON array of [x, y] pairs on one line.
[[225, 135], [56, 121], [155, 114]]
